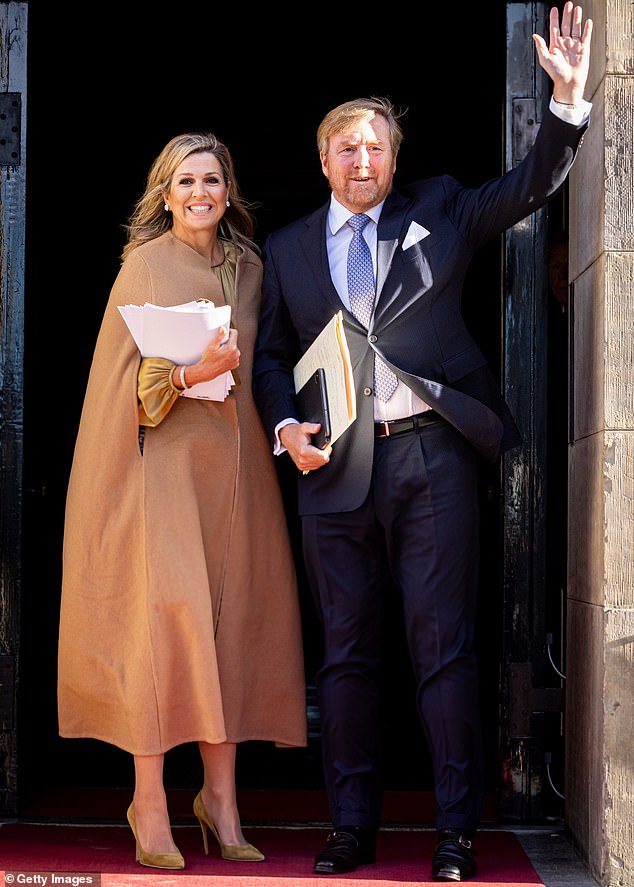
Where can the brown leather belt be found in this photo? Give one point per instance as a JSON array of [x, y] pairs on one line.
[[411, 423]]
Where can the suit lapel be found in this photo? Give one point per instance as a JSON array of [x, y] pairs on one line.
[[389, 231], [313, 244]]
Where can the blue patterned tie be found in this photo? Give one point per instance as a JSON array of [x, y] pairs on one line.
[[361, 294]]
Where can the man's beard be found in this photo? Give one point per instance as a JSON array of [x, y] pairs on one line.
[[362, 195]]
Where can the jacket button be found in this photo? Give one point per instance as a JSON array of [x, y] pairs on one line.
[[367, 391], [372, 338]]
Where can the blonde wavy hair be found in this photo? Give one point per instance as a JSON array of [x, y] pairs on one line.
[[149, 220], [344, 116]]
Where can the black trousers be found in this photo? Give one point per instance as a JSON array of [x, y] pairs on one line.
[[420, 522]]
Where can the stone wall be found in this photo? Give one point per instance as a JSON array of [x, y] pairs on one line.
[[600, 596]]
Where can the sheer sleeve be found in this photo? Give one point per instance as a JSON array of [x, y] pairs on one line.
[[157, 394]]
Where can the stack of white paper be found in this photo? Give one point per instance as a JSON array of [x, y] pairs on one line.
[[180, 333]]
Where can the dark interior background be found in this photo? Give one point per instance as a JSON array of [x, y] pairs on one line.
[[107, 88]]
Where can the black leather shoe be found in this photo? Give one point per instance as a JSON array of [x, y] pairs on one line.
[[345, 849], [454, 857]]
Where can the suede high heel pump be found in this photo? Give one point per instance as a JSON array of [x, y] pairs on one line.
[[237, 852], [154, 860]]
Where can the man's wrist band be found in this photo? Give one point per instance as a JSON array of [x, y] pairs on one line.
[[184, 384], [563, 104]]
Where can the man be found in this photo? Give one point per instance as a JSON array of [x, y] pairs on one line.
[[397, 494]]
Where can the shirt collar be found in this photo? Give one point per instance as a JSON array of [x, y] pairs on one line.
[[338, 215]]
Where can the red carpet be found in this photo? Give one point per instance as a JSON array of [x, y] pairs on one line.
[[403, 858]]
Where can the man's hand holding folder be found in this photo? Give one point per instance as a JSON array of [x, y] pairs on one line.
[[325, 385]]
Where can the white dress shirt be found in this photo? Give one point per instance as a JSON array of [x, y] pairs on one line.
[[338, 236]]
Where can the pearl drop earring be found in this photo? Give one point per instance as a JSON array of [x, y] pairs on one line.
[[228, 203], [166, 207]]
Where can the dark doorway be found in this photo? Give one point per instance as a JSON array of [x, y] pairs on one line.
[[105, 92]]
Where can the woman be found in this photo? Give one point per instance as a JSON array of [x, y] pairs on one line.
[[179, 615]]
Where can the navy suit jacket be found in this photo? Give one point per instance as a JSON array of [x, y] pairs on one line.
[[418, 327]]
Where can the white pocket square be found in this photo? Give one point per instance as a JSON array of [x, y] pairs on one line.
[[415, 233]]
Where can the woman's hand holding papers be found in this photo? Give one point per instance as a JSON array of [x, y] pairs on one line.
[[221, 356]]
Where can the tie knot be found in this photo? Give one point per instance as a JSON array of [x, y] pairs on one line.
[[358, 221]]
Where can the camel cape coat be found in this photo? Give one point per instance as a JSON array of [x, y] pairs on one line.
[[179, 614]]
